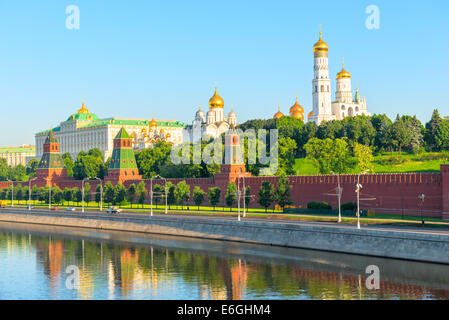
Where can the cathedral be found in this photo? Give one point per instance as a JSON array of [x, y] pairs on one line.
[[346, 104], [212, 124]]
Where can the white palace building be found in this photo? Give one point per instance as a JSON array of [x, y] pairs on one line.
[[84, 130]]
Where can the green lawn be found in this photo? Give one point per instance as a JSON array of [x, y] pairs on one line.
[[388, 163]]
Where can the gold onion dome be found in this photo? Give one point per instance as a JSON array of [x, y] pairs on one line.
[[298, 115], [278, 114], [310, 114], [296, 107], [83, 109], [320, 46], [216, 101], [153, 123], [343, 74]]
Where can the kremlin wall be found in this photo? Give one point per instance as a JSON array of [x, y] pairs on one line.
[[382, 193]]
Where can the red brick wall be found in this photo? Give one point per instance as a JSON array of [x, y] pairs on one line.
[[393, 193]]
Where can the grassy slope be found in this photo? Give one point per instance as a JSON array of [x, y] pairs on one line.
[[413, 163]]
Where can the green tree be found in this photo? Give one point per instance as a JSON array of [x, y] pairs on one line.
[[171, 198], [247, 196], [282, 194], [31, 167], [287, 152], [329, 155], [98, 195], [131, 194], [141, 193], [266, 194], [68, 163], [109, 193], [442, 136], [431, 129], [87, 193], [198, 196], [230, 195], [213, 195], [77, 195], [150, 160], [67, 194], [3, 169], [364, 157], [182, 193], [57, 195], [120, 194], [157, 193], [18, 192]]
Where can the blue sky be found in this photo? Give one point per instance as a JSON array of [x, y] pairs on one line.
[[136, 58]]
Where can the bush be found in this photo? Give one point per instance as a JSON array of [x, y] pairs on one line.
[[349, 206], [319, 205]]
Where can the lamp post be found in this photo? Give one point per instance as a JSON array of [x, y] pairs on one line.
[[82, 194], [49, 197], [29, 192], [238, 199], [357, 190], [151, 193], [101, 193], [12, 192], [339, 192], [421, 198]]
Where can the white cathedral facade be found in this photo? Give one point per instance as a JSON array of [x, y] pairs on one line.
[[345, 104], [213, 123]]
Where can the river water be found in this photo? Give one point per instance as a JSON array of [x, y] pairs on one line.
[[38, 262]]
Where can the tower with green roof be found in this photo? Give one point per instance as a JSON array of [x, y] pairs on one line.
[[123, 162], [51, 167]]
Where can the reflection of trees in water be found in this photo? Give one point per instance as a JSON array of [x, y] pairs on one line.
[[216, 277]]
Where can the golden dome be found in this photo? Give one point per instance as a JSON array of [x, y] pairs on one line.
[[216, 101], [310, 114], [278, 114], [83, 109], [296, 107], [143, 130], [152, 123], [343, 74], [320, 46], [298, 115]]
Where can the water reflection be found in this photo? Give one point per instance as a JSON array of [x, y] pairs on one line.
[[114, 265]]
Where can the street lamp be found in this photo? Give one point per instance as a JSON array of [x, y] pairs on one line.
[[82, 194], [238, 199], [29, 192], [49, 197], [421, 198], [357, 190], [241, 195], [101, 192], [12, 192], [339, 192], [151, 193]]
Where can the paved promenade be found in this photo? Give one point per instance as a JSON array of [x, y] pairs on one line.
[[410, 243]]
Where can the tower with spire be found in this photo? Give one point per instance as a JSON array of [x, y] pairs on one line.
[[345, 105], [321, 83], [51, 168], [123, 164]]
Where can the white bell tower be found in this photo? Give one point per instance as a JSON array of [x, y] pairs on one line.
[[321, 84]]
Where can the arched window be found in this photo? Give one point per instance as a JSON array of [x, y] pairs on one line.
[[342, 107]]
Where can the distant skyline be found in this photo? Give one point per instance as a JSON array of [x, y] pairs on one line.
[[135, 59]]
